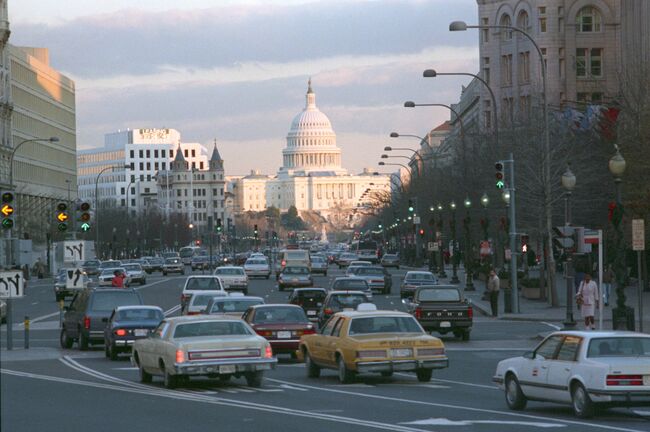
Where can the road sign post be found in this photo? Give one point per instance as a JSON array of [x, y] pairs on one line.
[[11, 286], [638, 245]]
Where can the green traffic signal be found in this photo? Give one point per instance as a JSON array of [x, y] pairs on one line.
[[62, 227], [7, 223], [85, 227]]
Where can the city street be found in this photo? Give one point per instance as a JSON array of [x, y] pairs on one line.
[[47, 388]]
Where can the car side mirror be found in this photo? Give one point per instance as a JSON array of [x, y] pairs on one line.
[[529, 355]]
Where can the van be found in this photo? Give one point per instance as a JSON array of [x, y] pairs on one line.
[[292, 257]]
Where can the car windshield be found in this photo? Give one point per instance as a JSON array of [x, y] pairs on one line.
[[210, 328], [296, 270], [202, 299], [108, 272], [207, 283], [420, 277], [230, 272], [256, 262], [133, 267], [295, 255], [91, 264], [619, 347], [227, 306], [384, 324], [448, 294], [107, 301], [139, 315], [172, 261], [389, 256], [343, 301], [279, 315], [349, 256], [351, 285], [364, 271], [109, 264]]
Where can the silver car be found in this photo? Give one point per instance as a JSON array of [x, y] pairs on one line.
[[257, 266], [107, 275], [136, 273], [319, 265]]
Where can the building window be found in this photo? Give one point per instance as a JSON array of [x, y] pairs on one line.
[[524, 106], [200, 164], [524, 67], [186, 153], [141, 166], [141, 153], [121, 191], [148, 166], [506, 34], [155, 166], [171, 154], [132, 154], [588, 20], [193, 153], [506, 70], [589, 62], [164, 166], [522, 20], [485, 33], [148, 154], [542, 19]]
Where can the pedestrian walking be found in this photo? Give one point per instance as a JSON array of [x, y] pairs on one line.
[[493, 287], [587, 299], [608, 277]]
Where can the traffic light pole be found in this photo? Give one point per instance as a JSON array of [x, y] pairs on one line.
[[513, 236]]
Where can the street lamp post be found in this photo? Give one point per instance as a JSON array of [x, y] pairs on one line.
[[622, 315], [507, 293], [454, 257], [442, 274], [568, 183], [469, 261]]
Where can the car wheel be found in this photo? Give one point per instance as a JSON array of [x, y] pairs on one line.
[[145, 377], [424, 375], [515, 398], [170, 381], [65, 341], [112, 352], [345, 375], [83, 341], [387, 374], [164, 273], [583, 407], [254, 379], [313, 370]]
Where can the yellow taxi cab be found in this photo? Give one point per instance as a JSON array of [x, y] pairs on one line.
[[372, 341]]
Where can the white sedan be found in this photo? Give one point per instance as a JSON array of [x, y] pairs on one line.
[[257, 266], [584, 369]]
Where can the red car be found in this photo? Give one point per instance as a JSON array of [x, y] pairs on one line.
[[281, 324]]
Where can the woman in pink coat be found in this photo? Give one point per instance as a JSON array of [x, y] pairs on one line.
[[589, 292]]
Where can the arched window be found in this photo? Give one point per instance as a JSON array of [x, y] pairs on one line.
[[505, 33], [588, 20], [522, 20]]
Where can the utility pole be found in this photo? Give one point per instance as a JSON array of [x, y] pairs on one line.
[[513, 235]]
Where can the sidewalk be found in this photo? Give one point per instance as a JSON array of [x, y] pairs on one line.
[[541, 310]]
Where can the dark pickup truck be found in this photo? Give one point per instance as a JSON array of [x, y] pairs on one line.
[[443, 309]]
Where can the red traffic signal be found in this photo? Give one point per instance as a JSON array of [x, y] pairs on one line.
[[421, 232]]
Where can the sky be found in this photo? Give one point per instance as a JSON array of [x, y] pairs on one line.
[[237, 70]]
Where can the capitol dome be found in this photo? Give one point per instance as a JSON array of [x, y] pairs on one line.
[[311, 141]]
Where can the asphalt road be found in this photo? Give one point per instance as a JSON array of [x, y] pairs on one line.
[[46, 388]]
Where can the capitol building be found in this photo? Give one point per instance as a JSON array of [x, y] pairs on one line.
[[311, 177]]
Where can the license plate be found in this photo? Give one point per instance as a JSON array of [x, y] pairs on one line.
[[284, 335], [646, 380], [404, 352], [225, 369], [311, 313], [445, 324], [294, 280], [141, 332]]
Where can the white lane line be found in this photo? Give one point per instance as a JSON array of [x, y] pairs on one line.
[[154, 283], [456, 407], [454, 382], [41, 318], [172, 310], [125, 368], [553, 326], [486, 349], [447, 422], [184, 396]]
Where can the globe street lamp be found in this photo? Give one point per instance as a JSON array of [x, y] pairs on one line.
[[469, 285], [454, 261], [568, 183], [622, 315]]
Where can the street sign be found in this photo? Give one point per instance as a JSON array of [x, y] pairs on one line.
[[73, 251], [74, 278], [564, 242], [432, 246], [638, 235], [11, 284], [416, 220], [508, 254]]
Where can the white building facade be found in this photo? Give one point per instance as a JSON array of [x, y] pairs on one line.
[[311, 178], [138, 155]]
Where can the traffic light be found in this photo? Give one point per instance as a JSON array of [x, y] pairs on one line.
[[500, 175], [61, 215], [255, 231], [421, 232], [198, 242], [7, 210], [524, 243], [380, 226], [411, 207], [84, 216], [275, 235], [219, 227]]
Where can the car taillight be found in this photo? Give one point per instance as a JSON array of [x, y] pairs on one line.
[[470, 312], [283, 263], [268, 352], [624, 380], [180, 356], [264, 333], [305, 331], [193, 313], [418, 312], [120, 332], [87, 322], [328, 311]]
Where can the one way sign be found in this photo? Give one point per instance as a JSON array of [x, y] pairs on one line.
[[74, 278], [11, 284]]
